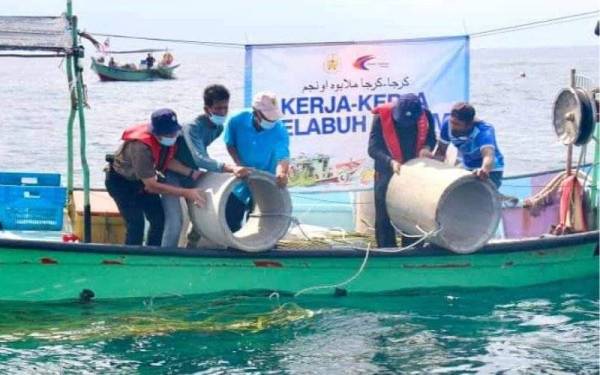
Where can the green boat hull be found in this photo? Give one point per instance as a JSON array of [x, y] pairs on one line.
[[45, 271], [107, 73]]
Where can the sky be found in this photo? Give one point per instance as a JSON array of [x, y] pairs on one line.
[[272, 21]]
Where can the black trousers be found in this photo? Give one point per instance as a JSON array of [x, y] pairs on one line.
[[385, 234], [235, 210], [135, 204]]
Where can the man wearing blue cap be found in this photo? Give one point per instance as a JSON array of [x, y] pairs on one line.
[[401, 130], [147, 151]]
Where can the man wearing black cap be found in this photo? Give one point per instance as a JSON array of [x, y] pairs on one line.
[[131, 179], [401, 130]]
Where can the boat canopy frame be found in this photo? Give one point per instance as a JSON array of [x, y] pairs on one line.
[[58, 35]]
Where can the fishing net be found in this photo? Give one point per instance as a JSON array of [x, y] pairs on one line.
[[160, 316], [35, 33]]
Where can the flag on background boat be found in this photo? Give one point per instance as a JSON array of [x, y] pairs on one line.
[[104, 47]]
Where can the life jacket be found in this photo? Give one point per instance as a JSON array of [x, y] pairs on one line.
[[571, 212], [390, 136], [161, 155]]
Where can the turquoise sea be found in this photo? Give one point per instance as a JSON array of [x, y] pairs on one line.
[[551, 329]]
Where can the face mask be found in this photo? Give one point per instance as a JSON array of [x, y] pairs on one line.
[[267, 124], [217, 120], [167, 141]]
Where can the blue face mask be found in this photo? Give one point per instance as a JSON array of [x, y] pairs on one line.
[[167, 141], [267, 124], [217, 120]]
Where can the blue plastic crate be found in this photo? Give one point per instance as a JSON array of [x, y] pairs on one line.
[[29, 179], [32, 207]]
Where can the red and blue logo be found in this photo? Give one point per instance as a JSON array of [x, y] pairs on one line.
[[361, 62]]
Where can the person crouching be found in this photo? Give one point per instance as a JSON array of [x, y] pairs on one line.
[[132, 178]]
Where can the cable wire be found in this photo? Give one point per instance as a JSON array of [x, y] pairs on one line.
[[184, 41], [528, 25], [495, 31]]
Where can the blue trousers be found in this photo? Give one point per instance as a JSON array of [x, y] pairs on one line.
[[173, 211]]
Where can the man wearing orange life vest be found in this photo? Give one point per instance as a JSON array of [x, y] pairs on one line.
[[131, 179], [401, 130]]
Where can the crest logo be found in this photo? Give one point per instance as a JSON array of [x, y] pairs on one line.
[[332, 64]]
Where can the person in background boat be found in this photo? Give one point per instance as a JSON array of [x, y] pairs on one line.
[[112, 63], [402, 130], [166, 60], [256, 138], [475, 141], [129, 66], [150, 61], [192, 152], [132, 176]]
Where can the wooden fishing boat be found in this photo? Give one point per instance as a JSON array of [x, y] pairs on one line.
[[45, 271], [33, 270], [107, 73]]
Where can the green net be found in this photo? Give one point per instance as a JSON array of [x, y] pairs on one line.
[[161, 316]]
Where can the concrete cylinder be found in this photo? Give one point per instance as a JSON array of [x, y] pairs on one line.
[[432, 195], [266, 225]]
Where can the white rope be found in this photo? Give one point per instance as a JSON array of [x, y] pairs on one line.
[[296, 222], [367, 250], [404, 234], [338, 285], [274, 296], [401, 249]]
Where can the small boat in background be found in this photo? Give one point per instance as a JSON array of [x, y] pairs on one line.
[[125, 73]]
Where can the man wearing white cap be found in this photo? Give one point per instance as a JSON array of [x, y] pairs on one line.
[[256, 138]]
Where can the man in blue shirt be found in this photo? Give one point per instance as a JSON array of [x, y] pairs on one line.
[[256, 138], [192, 152], [475, 141]]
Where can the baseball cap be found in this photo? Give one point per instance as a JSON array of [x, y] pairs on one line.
[[266, 103], [164, 121], [407, 108]]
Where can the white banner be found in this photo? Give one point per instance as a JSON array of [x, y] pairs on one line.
[[327, 92]]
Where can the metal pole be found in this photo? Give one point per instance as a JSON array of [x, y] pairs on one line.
[[70, 127], [570, 147], [595, 175], [77, 54]]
